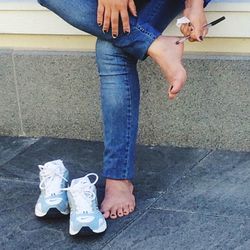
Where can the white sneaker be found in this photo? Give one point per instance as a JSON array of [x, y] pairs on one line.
[[53, 199], [85, 216]]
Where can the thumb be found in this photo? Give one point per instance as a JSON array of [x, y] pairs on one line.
[[199, 33]]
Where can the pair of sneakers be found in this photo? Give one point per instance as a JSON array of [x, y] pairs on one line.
[[79, 199]]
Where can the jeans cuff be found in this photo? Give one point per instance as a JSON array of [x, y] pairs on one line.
[[117, 176], [137, 42]]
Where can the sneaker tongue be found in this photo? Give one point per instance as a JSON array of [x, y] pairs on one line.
[[81, 181], [54, 165]]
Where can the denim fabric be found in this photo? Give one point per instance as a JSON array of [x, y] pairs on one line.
[[117, 60], [206, 2]]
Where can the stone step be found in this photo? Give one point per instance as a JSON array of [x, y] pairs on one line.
[[47, 93]]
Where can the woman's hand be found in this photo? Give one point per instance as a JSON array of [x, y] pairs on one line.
[[109, 12], [194, 11]]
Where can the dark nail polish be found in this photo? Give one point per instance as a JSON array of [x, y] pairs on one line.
[[114, 36], [104, 31], [99, 24], [201, 38]]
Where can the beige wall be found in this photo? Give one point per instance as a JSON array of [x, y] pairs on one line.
[[34, 27]]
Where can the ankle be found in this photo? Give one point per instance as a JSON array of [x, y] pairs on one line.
[[152, 50], [117, 181]]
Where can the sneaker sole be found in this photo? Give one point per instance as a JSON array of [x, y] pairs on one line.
[[88, 231], [52, 213]]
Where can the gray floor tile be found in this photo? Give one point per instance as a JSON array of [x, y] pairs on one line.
[[80, 157], [218, 185], [12, 146], [20, 229], [159, 167], [168, 230]]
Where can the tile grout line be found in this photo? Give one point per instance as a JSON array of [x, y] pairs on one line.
[[8, 179], [106, 244], [190, 170], [21, 151], [17, 95], [200, 213], [151, 205]]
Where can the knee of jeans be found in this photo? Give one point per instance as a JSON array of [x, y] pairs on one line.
[[112, 60], [45, 2], [42, 2]]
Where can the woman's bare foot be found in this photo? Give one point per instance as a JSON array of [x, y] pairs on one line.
[[119, 199], [168, 56]]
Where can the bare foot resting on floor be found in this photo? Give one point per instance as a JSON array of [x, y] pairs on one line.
[[168, 56], [119, 200]]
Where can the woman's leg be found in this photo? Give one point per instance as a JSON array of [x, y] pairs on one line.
[[120, 96], [145, 28], [145, 36]]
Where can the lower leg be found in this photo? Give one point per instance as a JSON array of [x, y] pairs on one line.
[[120, 96]]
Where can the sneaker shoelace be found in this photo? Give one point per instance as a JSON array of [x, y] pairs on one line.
[[83, 195], [51, 180]]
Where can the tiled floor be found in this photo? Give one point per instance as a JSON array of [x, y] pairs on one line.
[[186, 198]]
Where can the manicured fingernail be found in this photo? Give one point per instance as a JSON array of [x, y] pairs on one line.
[[114, 36], [104, 31], [201, 38]]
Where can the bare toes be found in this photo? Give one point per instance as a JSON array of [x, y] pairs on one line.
[[131, 209], [106, 214], [126, 210], [113, 213], [120, 212]]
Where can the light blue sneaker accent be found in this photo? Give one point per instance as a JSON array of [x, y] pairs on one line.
[[53, 199], [84, 212]]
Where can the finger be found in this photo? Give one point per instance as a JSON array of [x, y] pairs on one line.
[[115, 23], [205, 31], [106, 22], [186, 29], [191, 39], [197, 34], [132, 7], [193, 36], [125, 20], [100, 13]]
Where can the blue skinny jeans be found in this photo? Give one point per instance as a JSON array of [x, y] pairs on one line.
[[116, 60]]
